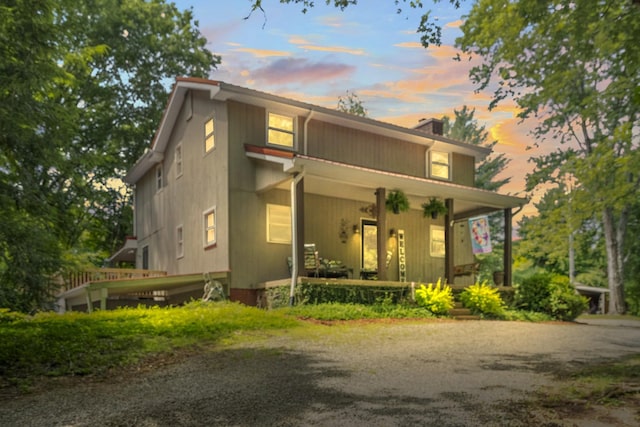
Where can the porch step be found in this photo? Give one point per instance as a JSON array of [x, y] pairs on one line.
[[461, 313]]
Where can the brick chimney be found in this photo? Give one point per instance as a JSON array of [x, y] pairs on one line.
[[430, 126]]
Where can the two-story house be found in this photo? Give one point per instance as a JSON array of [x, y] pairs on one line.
[[237, 181]]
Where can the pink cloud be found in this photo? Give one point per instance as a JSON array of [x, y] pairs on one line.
[[300, 70]]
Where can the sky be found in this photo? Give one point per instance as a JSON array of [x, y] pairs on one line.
[[368, 49]]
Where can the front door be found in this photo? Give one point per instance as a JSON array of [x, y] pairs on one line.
[[369, 256]]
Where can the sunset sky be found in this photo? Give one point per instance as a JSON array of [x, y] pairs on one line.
[[368, 50]]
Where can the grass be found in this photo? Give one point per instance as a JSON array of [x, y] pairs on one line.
[[50, 344], [73, 344], [584, 393], [338, 311]]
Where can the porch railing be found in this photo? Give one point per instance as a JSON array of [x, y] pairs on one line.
[[79, 278]]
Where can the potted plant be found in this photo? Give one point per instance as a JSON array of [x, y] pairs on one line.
[[397, 201], [434, 207]]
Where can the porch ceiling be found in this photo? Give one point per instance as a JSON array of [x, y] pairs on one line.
[[329, 178]]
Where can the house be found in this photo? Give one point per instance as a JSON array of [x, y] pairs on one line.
[[237, 181]]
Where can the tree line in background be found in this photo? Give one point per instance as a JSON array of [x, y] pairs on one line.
[[575, 68], [83, 86]]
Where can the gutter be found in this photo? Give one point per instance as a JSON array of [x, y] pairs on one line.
[[305, 127], [294, 234]]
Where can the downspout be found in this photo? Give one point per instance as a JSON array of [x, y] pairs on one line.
[[306, 139], [294, 234]]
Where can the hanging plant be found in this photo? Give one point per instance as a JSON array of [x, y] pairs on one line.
[[397, 202], [434, 207]]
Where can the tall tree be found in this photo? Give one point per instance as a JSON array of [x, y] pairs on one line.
[[466, 128], [429, 29], [82, 87], [352, 104], [575, 66]]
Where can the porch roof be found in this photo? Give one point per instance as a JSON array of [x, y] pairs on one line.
[[346, 181]]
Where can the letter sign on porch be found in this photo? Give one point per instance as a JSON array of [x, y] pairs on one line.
[[402, 266]]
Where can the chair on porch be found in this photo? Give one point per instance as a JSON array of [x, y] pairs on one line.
[[311, 260]]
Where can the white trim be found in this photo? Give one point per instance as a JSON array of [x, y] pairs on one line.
[[205, 228]]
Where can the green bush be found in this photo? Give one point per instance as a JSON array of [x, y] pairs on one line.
[[483, 299], [551, 294], [318, 293], [438, 298]]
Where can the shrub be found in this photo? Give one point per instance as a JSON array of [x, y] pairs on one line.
[[438, 298], [551, 294], [482, 299]]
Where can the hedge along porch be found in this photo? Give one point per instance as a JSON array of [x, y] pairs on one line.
[[327, 194]]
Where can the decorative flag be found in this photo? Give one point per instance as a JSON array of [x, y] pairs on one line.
[[480, 236]]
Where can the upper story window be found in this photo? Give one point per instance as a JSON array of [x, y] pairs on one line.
[[209, 135], [159, 176], [209, 227], [178, 160], [278, 224], [281, 130], [179, 241], [439, 165]]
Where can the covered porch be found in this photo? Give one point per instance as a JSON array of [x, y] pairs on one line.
[[305, 176]]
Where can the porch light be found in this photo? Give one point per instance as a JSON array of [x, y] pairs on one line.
[[392, 233], [356, 229]]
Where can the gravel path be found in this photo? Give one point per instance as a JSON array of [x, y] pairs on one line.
[[436, 373]]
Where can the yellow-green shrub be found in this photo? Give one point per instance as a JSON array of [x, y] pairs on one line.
[[483, 299], [438, 298]]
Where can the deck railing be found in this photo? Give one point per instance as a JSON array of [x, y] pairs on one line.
[[79, 278]]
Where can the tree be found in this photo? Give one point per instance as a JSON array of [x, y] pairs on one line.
[[466, 128], [576, 67], [430, 32], [81, 91], [352, 104]]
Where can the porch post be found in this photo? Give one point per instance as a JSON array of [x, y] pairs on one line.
[[448, 242], [297, 230], [508, 257], [381, 198]]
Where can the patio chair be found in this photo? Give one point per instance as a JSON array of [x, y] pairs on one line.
[[311, 260]]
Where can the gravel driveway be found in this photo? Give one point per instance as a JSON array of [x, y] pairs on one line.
[[434, 373]]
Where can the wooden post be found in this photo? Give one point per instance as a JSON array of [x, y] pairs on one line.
[[381, 198], [508, 256], [449, 250]]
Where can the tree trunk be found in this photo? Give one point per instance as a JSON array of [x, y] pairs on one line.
[[615, 266]]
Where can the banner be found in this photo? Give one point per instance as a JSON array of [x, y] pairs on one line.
[[480, 236]]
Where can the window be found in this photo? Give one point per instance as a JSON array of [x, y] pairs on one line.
[[278, 224], [178, 160], [436, 246], [209, 135], [439, 165], [159, 174], [210, 227], [179, 241], [281, 130]]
